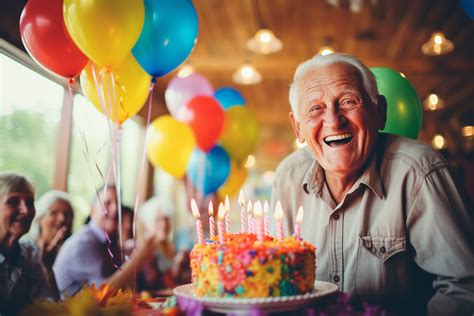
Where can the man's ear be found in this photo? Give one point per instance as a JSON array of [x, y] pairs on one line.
[[296, 127], [382, 110]]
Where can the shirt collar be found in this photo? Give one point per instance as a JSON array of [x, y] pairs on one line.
[[314, 178]]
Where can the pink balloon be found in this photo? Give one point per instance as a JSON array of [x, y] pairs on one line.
[[181, 90]]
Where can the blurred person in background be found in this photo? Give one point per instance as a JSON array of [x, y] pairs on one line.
[[52, 224], [167, 268]]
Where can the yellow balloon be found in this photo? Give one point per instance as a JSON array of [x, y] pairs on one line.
[[238, 175], [131, 84], [240, 133], [170, 143], [104, 30]]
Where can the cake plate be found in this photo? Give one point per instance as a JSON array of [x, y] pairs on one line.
[[266, 304]]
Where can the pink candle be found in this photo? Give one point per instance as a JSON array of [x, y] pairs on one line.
[[195, 211], [220, 223], [250, 223], [266, 223], [212, 229], [243, 215], [227, 214], [298, 220], [258, 214], [279, 221]]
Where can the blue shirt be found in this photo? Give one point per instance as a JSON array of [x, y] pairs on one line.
[[83, 259]]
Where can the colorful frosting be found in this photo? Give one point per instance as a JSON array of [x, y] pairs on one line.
[[244, 267]]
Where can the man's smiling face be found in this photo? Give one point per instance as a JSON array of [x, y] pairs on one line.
[[336, 118]]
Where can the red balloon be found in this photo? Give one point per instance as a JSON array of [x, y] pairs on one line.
[[206, 117], [46, 39]]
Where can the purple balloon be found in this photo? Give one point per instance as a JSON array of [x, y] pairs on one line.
[[181, 90]]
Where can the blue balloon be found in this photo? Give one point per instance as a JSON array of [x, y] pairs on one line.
[[208, 171], [168, 35], [468, 7], [228, 97]]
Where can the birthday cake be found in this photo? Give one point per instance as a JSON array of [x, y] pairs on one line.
[[242, 266]]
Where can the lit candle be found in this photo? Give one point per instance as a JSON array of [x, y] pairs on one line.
[[212, 229], [195, 211], [220, 222], [266, 223], [279, 220], [243, 215], [250, 223], [227, 214], [258, 214], [298, 220]]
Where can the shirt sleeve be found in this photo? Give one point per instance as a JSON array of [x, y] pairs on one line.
[[441, 233]]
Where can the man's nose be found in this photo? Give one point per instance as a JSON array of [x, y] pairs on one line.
[[333, 118], [24, 209]]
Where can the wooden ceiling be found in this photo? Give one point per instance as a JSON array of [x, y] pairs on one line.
[[384, 33]]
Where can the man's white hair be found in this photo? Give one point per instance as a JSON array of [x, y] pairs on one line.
[[319, 61]]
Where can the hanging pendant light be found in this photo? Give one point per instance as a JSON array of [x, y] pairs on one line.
[[325, 50], [247, 74], [433, 102], [437, 45], [264, 42]]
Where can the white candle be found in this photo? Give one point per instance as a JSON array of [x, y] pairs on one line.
[[220, 222], [212, 229], [258, 214], [266, 223], [298, 221], [243, 215], [250, 223], [195, 211], [279, 220], [227, 214]]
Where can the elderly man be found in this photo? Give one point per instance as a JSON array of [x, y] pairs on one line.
[[92, 255], [390, 226]]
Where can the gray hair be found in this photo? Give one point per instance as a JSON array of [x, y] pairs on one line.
[[319, 61], [152, 207], [14, 182], [42, 207]]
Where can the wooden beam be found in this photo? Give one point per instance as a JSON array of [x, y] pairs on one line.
[[63, 145]]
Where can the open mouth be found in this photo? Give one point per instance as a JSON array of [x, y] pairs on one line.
[[338, 140]]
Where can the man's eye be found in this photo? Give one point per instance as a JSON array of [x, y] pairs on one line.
[[13, 201], [315, 108], [348, 102]]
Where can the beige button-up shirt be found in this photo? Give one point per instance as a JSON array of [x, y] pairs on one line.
[[402, 237]]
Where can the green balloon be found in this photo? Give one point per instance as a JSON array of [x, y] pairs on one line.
[[403, 106]]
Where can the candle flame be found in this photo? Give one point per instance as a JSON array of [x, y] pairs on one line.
[[195, 209], [221, 212], [211, 209], [257, 209], [249, 207], [266, 207], [299, 215], [241, 199], [278, 211], [227, 203]]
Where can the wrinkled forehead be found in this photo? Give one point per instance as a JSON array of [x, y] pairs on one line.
[[337, 75]]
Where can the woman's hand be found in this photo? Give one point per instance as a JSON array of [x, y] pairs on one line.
[[49, 251]]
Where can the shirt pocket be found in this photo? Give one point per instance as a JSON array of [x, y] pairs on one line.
[[381, 267]]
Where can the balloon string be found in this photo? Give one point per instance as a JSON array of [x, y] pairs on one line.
[[142, 165], [124, 91], [100, 92], [116, 158]]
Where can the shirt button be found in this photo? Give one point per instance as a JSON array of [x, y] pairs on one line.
[[382, 249], [336, 278], [336, 216]]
